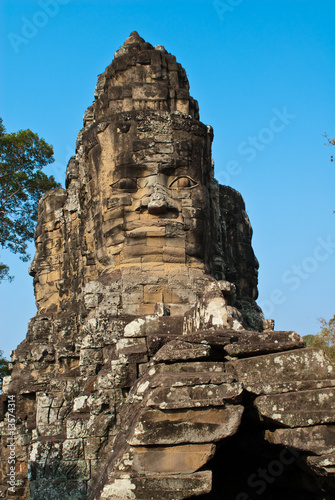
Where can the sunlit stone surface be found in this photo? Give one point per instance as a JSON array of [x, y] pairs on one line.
[[149, 371]]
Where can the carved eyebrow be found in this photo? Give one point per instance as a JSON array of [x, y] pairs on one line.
[[125, 183], [192, 182]]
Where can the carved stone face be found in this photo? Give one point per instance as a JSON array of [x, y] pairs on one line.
[[142, 213], [156, 206], [156, 198]]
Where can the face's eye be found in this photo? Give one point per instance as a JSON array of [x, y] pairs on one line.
[[182, 182], [125, 184]]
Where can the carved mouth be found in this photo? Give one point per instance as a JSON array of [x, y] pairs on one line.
[[152, 231]]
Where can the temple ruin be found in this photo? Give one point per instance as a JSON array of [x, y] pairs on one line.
[[149, 371]]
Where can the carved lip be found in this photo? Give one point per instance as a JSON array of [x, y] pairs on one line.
[[140, 232]]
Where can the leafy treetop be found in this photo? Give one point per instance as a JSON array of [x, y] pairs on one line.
[[4, 368], [22, 157], [325, 339]]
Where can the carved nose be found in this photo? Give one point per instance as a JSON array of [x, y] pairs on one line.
[[32, 268], [160, 202]]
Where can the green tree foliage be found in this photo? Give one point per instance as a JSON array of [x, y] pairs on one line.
[[308, 340], [325, 339], [4, 370], [22, 157]]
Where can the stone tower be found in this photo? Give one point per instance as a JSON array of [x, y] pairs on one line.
[[142, 220], [149, 366]]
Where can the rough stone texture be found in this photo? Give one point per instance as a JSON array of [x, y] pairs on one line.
[[173, 487], [149, 371], [198, 425], [298, 409], [184, 458], [319, 439]]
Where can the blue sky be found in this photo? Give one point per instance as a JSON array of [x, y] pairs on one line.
[[262, 72]]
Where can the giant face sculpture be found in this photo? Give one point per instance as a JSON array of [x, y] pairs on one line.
[[155, 188], [141, 199]]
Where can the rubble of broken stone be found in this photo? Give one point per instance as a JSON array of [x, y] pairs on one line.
[[148, 423], [195, 393]]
